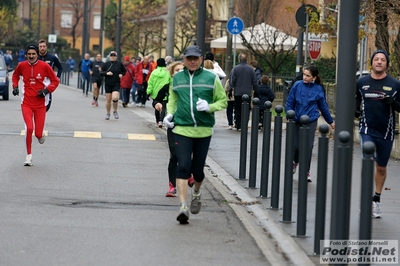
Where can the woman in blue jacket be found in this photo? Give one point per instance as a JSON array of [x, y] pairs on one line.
[[307, 97]]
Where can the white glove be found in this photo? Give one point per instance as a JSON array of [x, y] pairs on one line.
[[168, 121], [202, 105]]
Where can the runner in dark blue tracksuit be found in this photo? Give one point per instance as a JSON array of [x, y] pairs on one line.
[[51, 60], [377, 99]]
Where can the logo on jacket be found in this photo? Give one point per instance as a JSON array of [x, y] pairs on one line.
[[386, 88], [39, 76], [365, 87]]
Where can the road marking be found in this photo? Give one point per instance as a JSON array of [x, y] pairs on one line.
[[87, 134], [98, 135], [46, 133], [141, 137]]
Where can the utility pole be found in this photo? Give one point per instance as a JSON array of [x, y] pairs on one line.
[[52, 27], [228, 53], [171, 27], [101, 45], [201, 24], [84, 27], [39, 12], [118, 35], [345, 105]]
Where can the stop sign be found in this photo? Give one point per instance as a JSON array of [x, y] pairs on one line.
[[314, 48]]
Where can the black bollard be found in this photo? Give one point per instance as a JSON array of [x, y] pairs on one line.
[[255, 117], [79, 80], [343, 193], [288, 184], [243, 136], [303, 169], [322, 170], [265, 150], [276, 160], [367, 176]]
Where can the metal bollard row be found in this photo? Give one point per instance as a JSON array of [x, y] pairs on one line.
[[341, 198]]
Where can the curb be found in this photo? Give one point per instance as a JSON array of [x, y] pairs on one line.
[[284, 243]]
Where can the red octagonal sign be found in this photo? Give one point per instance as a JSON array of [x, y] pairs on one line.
[[314, 48]]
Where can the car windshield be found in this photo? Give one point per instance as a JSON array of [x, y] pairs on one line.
[[2, 64]]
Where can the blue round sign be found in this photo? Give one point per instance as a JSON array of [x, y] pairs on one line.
[[235, 25]]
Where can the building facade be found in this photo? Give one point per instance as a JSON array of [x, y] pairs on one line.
[[68, 17]]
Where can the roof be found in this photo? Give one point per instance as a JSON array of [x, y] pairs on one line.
[[262, 35]]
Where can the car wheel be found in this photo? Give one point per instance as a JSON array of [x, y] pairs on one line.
[[5, 96]]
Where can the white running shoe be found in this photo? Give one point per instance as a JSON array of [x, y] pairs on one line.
[[183, 216], [376, 209], [294, 167], [195, 204], [28, 160]]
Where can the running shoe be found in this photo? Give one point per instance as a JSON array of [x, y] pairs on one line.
[[183, 216], [116, 115], [309, 177], [294, 167], [230, 127], [191, 181], [159, 124], [195, 204], [93, 102], [28, 160], [96, 103], [42, 139], [107, 116], [124, 104], [172, 191], [376, 209]]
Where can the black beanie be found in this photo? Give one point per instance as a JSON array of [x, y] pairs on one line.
[[32, 46], [381, 52], [161, 62], [209, 56]]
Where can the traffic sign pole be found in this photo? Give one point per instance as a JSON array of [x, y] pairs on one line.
[[234, 50], [234, 26]]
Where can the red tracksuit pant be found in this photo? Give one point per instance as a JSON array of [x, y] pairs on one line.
[[34, 118]]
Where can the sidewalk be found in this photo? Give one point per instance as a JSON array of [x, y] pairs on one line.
[[224, 163]]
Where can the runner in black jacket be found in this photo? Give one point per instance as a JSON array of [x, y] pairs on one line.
[[52, 61]]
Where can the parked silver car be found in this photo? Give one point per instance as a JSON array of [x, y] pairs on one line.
[[4, 80]]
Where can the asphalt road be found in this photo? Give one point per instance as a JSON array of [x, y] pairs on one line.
[[99, 198]]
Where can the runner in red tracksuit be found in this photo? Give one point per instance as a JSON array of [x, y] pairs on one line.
[[34, 95]]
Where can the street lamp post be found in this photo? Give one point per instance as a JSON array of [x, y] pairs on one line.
[[52, 27], [118, 35], [101, 46], [39, 11], [201, 24], [84, 27]]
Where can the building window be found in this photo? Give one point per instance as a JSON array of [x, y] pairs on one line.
[[66, 19], [96, 21]]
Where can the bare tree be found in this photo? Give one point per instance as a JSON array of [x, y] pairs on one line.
[[385, 15], [141, 30], [185, 27], [270, 44], [77, 14]]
